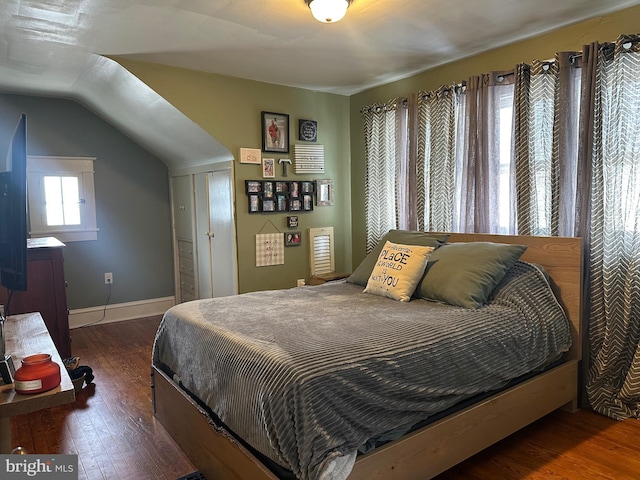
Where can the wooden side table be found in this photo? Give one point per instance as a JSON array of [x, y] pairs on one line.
[[327, 277], [26, 335]]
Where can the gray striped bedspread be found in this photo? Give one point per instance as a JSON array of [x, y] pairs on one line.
[[309, 374]]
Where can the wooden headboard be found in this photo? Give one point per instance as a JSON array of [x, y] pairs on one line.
[[562, 258]]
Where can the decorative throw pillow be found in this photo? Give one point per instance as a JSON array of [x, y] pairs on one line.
[[398, 270], [465, 274], [360, 275]]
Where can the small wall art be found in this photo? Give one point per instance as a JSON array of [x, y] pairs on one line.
[[268, 168], [307, 130], [269, 249], [324, 193], [250, 155], [275, 132], [293, 239]]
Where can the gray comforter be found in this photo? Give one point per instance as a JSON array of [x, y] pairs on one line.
[[307, 375]]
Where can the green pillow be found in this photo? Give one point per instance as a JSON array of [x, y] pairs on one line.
[[360, 275], [465, 274]]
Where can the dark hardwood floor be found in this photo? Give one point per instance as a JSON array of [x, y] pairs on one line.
[[111, 425], [112, 429]]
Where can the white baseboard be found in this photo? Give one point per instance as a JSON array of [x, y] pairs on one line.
[[120, 311]]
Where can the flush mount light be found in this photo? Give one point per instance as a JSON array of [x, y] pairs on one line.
[[328, 11]]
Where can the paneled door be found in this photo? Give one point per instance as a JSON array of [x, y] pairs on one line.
[[215, 233]]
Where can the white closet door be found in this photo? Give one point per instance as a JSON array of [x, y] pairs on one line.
[[216, 237]]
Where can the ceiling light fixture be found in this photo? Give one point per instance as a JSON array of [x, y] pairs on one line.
[[328, 11]]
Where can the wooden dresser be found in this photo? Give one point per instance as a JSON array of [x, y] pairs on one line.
[[46, 290]]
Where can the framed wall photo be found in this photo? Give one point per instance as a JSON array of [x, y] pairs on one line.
[[268, 205], [282, 187], [294, 190], [281, 203], [293, 239], [267, 189], [250, 155], [275, 132], [292, 221], [295, 204], [252, 186], [324, 193], [254, 204], [307, 202], [307, 187], [268, 168]]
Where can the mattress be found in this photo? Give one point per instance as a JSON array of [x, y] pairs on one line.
[[307, 375]]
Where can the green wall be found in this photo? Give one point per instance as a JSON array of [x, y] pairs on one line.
[[229, 109], [605, 28], [132, 201]]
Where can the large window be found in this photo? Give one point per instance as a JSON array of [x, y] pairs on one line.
[[61, 198]]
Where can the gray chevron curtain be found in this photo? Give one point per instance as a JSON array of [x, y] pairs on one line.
[[546, 107], [439, 158], [610, 220], [386, 181], [574, 169]]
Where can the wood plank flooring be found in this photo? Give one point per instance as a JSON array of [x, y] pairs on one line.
[[112, 429], [111, 425]]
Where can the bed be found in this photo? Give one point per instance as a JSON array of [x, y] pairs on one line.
[[228, 437]]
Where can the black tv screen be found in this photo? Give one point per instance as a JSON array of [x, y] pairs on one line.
[[13, 212]]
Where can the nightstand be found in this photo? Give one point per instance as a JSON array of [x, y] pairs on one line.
[[326, 277]]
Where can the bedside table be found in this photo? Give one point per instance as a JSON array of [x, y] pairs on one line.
[[327, 277]]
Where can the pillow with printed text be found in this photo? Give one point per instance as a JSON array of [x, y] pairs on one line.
[[398, 270]]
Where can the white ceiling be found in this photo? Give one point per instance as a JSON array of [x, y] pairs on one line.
[[58, 47]]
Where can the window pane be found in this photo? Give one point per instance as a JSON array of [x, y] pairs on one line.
[[53, 200], [71, 200], [62, 200]]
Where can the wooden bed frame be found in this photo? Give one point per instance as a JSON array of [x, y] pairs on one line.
[[433, 449]]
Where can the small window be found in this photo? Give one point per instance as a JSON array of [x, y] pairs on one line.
[[61, 198]]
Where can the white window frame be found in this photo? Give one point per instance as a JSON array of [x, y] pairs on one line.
[[82, 167]]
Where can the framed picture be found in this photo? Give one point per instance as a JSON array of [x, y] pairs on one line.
[[295, 205], [267, 189], [294, 189], [307, 202], [307, 187], [252, 186], [293, 239], [275, 132], [254, 204], [324, 193], [268, 205], [268, 168], [292, 221], [282, 187], [307, 130], [281, 203], [250, 155]]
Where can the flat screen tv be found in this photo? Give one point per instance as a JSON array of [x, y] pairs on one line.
[[13, 213]]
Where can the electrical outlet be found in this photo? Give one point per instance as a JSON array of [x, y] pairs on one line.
[[108, 278]]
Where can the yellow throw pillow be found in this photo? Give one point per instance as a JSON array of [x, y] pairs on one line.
[[398, 270]]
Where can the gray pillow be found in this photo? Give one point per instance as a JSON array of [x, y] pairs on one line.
[[360, 275], [465, 274]]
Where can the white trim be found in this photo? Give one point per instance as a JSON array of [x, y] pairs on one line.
[[120, 311], [82, 168]]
